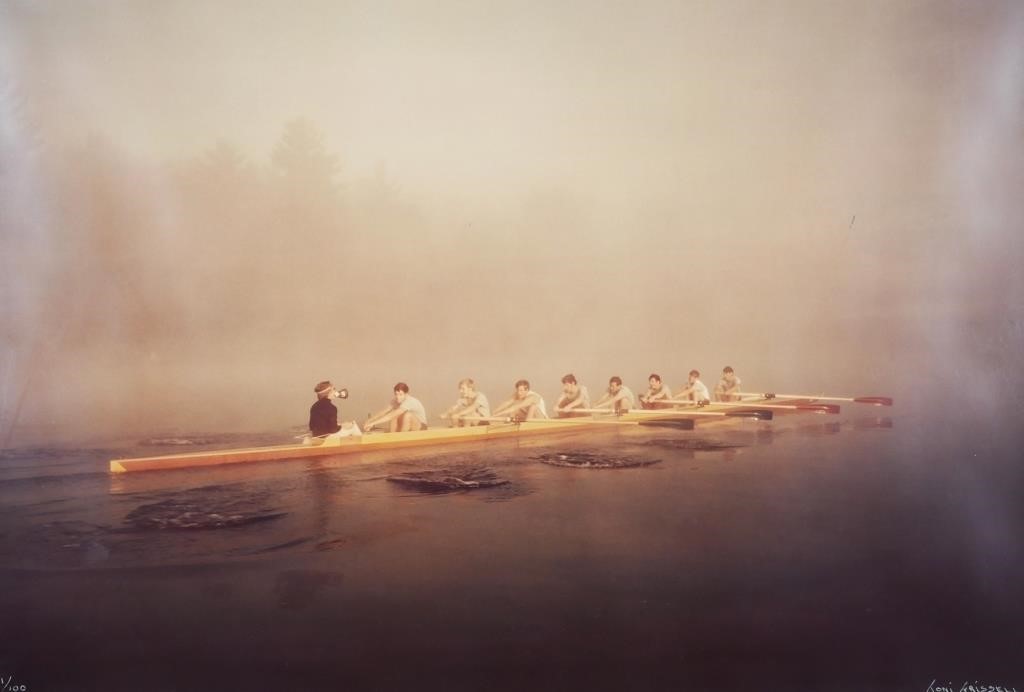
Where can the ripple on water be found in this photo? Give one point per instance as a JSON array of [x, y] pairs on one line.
[[447, 480], [592, 460], [203, 509]]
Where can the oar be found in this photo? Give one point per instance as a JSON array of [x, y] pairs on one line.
[[606, 411], [490, 419], [817, 408], [873, 400], [760, 413], [679, 423]]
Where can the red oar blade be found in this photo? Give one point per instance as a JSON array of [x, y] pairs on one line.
[[819, 408], [875, 400], [759, 414]]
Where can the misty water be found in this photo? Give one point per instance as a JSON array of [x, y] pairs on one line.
[[876, 549]]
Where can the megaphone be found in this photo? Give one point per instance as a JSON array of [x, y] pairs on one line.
[[342, 393]]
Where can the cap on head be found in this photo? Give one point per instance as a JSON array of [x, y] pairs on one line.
[[323, 387]]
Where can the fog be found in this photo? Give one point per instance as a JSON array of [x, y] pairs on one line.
[[207, 208]]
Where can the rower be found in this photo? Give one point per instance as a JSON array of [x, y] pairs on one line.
[[323, 414], [618, 398], [728, 388], [574, 395], [656, 393], [471, 404], [695, 390], [524, 404], [405, 412]]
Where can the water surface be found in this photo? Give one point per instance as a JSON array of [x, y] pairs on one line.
[[877, 549]]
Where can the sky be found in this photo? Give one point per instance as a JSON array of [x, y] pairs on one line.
[[822, 194]]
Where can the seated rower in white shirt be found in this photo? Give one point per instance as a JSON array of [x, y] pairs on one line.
[[574, 395], [728, 388], [471, 406], [403, 414], [524, 404], [695, 390], [656, 393], [618, 398]]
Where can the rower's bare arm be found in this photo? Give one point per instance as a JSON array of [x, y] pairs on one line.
[[607, 401], [467, 410], [504, 408], [382, 416], [576, 403]]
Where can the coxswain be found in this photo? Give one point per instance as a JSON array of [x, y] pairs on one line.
[[323, 414]]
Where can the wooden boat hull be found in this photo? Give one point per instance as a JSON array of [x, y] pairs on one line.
[[345, 445], [387, 440]]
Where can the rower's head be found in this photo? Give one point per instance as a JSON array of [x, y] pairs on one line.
[[694, 375], [654, 380], [401, 391], [615, 384], [466, 387], [323, 389], [569, 384], [728, 373], [522, 388]]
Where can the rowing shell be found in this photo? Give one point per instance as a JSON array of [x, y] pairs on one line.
[[351, 445], [397, 440]]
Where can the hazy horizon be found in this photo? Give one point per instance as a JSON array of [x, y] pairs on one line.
[[209, 208]]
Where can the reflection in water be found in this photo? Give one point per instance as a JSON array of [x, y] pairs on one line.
[[872, 423], [695, 444]]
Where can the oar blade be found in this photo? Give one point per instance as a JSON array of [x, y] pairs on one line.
[[677, 423], [819, 408], [875, 400], [759, 414]]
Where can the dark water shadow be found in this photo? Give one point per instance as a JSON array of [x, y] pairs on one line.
[[593, 460], [448, 480]]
